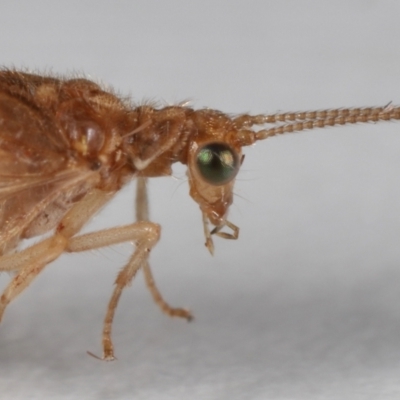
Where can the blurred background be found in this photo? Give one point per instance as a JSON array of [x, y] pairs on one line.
[[305, 304]]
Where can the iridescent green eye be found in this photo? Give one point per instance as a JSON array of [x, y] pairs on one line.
[[217, 163]]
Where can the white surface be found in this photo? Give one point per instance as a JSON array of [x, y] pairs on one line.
[[306, 304]]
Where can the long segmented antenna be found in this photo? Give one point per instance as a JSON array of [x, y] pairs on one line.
[[316, 119]]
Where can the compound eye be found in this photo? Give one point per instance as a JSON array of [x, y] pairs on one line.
[[217, 163]]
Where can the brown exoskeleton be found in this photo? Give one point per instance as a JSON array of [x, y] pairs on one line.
[[67, 146]]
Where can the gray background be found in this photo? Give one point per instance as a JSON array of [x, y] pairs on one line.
[[305, 305]]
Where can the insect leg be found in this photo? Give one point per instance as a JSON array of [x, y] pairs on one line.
[[142, 214], [158, 299], [146, 235], [31, 261]]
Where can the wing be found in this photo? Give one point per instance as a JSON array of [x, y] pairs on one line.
[[36, 172]]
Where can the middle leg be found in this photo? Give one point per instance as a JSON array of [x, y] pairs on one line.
[[146, 235]]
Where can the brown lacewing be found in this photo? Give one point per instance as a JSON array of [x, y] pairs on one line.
[[68, 145]]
